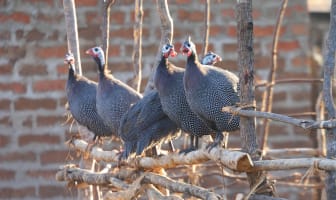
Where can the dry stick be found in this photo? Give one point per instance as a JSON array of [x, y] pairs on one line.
[[268, 95], [328, 74], [246, 81], [137, 45], [293, 80], [320, 110], [303, 123], [286, 152], [106, 27], [167, 32], [72, 32], [206, 28]]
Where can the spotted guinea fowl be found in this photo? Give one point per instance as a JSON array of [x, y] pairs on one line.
[[168, 80], [81, 95], [114, 97], [208, 89], [145, 125]]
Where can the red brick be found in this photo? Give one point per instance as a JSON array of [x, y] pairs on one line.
[[6, 69], [45, 174], [89, 3], [5, 104], [93, 17], [183, 1], [228, 13], [90, 33], [299, 29], [48, 2], [18, 157], [12, 192], [47, 18], [51, 52], [49, 85], [53, 156], [262, 31], [288, 45], [122, 33], [231, 31], [216, 30], [118, 17], [28, 122], [28, 139], [15, 16], [33, 69], [5, 35], [15, 87], [49, 120], [7, 175], [33, 104], [6, 121], [194, 16], [230, 48], [19, 34], [300, 61], [4, 141], [34, 35], [62, 69]]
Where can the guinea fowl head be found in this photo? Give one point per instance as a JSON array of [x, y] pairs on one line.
[[188, 47], [98, 55], [211, 58], [168, 50], [70, 60]]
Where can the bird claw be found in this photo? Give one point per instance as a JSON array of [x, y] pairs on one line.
[[188, 150], [214, 144]]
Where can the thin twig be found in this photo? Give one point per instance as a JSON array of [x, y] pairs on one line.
[[106, 27], [303, 123], [291, 80], [206, 28], [268, 95]]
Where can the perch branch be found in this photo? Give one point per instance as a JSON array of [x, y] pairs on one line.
[[167, 32], [305, 124], [72, 32], [234, 160]]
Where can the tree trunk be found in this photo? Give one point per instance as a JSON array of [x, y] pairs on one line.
[[329, 65], [246, 76]]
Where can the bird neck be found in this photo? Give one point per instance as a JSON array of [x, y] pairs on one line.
[[72, 71], [101, 65], [163, 63], [193, 58]]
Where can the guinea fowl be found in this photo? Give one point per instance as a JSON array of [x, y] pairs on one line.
[[114, 97], [168, 80], [145, 125], [208, 89], [81, 95]]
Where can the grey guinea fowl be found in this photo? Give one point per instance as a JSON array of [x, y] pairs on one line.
[[168, 80], [81, 95], [145, 125], [114, 97], [208, 89]]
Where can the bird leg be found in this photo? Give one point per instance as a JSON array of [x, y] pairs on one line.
[[219, 141], [171, 146], [193, 145]]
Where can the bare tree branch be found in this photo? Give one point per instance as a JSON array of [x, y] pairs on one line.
[[167, 32], [206, 28], [137, 46], [268, 94], [303, 123], [106, 27], [72, 31]]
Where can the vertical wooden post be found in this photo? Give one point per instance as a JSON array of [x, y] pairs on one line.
[[206, 28], [137, 50], [329, 66], [106, 27], [257, 180]]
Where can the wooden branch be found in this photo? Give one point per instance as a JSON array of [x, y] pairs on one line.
[[206, 28], [106, 27], [268, 94], [305, 124], [137, 45], [167, 32], [264, 197], [294, 163], [290, 80], [72, 31], [180, 187], [234, 160], [286, 152]]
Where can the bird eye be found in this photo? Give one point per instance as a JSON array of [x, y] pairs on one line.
[[167, 47], [188, 45], [213, 56], [95, 49]]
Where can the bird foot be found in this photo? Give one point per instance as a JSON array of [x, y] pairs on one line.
[[188, 150], [214, 144]]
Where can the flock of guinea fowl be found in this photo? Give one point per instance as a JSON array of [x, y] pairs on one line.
[[188, 99]]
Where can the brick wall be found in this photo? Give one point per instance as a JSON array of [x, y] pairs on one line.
[[32, 74]]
